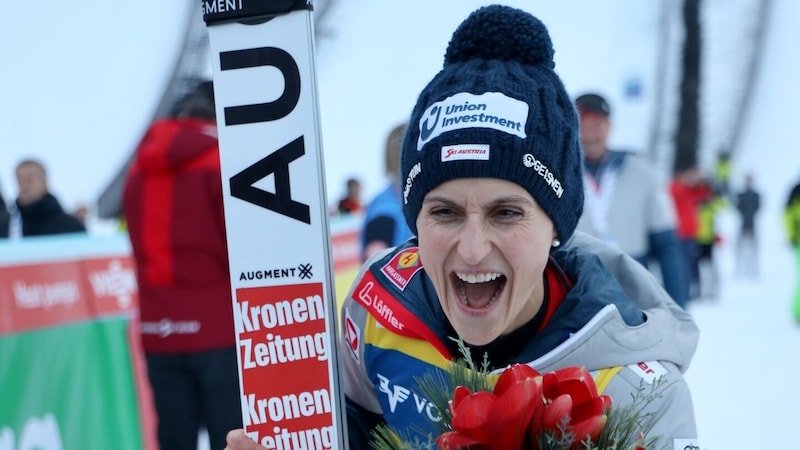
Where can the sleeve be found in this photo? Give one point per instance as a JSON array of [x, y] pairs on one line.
[[674, 412], [665, 401], [662, 207], [4, 222], [360, 424], [363, 407], [791, 226], [3, 209], [792, 216], [665, 247], [67, 223]]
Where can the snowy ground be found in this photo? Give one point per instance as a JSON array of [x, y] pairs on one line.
[[743, 376]]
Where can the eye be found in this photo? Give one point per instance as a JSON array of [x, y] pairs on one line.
[[443, 213], [507, 214]]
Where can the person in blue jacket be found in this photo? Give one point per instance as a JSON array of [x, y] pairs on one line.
[[493, 192], [384, 225]]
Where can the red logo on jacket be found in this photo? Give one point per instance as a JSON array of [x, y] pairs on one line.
[[402, 267]]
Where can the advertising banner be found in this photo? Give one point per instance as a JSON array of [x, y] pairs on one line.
[[68, 387], [68, 367]]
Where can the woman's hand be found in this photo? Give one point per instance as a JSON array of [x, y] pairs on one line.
[[237, 440]]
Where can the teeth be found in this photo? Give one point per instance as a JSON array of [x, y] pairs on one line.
[[473, 278]]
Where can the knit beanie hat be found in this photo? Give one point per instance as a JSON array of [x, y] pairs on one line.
[[497, 109]]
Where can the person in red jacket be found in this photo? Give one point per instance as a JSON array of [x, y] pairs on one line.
[[173, 207], [689, 190]]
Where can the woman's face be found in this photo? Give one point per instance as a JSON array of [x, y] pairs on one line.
[[484, 243]]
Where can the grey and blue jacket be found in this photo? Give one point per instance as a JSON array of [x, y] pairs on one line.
[[602, 311]]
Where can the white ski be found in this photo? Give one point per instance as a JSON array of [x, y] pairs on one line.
[[276, 216]]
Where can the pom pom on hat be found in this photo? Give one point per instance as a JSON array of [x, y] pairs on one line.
[[502, 33], [497, 109]]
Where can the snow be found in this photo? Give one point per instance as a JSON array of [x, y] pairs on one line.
[[80, 83]]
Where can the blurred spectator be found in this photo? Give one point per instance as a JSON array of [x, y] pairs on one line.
[[384, 223], [174, 214], [36, 211], [627, 203], [351, 202], [748, 202], [3, 210], [792, 216], [708, 238], [689, 191], [722, 173]]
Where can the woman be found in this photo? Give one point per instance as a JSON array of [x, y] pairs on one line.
[[493, 191]]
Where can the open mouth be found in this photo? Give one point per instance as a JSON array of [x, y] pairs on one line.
[[478, 290]]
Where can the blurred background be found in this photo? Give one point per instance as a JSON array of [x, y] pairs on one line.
[[83, 83]]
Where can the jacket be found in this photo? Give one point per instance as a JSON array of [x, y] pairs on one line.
[[42, 217], [636, 205], [629, 206], [615, 319], [173, 209], [386, 205], [3, 212], [688, 200], [748, 203], [706, 219], [792, 216]]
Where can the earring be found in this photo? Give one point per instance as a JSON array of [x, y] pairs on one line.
[[556, 242]]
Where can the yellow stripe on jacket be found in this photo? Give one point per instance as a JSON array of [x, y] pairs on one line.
[[378, 336]]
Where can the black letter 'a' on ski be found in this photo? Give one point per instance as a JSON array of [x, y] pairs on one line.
[[275, 163]]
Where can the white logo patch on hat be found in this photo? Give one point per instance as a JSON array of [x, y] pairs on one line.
[[530, 161], [464, 110], [479, 152]]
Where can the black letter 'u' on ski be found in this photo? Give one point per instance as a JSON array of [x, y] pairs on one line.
[[276, 163], [257, 57]]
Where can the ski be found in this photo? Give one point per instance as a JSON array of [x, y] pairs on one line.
[[276, 218]]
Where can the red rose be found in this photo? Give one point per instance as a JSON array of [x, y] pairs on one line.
[[522, 404]]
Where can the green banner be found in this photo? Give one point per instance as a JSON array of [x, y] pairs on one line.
[[69, 387]]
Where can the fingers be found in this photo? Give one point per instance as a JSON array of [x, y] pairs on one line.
[[237, 440]]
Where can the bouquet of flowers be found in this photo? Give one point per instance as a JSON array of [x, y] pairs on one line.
[[522, 409]]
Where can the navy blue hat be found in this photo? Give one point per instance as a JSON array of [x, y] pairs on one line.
[[497, 109]]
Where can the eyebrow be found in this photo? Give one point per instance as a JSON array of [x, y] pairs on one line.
[[495, 202]]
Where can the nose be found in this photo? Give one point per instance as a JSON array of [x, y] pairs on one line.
[[474, 243]]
